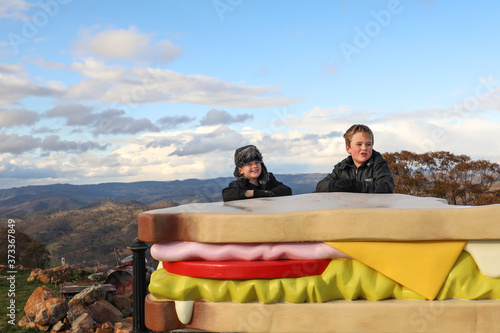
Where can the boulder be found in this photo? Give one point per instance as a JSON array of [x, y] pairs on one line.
[[34, 303], [123, 327], [82, 323], [33, 274], [60, 326], [25, 322], [31, 325], [106, 327], [97, 276], [75, 311], [102, 311], [43, 328], [123, 303], [89, 295], [51, 311], [43, 278], [60, 268]]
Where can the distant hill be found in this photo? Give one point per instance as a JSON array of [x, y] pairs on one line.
[[31, 203], [67, 196], [88, 236]]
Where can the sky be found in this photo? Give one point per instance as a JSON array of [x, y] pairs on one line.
[[123, 91]]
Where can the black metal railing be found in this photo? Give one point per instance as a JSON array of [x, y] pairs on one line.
[[139, 248]]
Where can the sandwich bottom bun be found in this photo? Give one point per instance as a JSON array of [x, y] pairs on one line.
[[338, 316]]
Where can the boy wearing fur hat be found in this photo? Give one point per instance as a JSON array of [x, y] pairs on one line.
[[252, 178], [364, 171]]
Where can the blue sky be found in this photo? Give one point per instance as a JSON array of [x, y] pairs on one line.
[[105, 91]]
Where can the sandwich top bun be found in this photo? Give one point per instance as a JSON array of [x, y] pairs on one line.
[[321, 217]]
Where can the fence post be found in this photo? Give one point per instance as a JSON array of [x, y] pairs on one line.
[[139, 248]]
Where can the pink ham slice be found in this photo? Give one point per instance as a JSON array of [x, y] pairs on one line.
[[184, 251]]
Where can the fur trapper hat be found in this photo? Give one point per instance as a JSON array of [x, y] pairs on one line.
[[247, 154]]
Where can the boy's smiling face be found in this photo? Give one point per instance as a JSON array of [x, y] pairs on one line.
[[251, 170], [361, 148]]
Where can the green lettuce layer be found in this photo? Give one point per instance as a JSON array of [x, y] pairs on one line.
[[343, 279]]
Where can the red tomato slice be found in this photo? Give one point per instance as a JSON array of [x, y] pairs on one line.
[[260, 269]]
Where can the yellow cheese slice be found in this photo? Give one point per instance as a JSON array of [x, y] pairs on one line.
[[419, 266]]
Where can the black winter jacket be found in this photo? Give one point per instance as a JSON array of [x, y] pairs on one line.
[[373, 176], [272, 188]]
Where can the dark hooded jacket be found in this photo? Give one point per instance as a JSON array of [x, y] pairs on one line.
[[272, 188], [373, 176], [268, 185]]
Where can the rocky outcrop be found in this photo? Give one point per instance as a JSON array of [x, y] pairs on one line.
[[86, 312], [61, 274]]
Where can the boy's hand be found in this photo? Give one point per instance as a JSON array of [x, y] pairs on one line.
[[347, 185], [343, 185], [263, 193]]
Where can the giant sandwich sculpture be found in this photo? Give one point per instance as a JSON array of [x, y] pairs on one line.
[[325, 262]]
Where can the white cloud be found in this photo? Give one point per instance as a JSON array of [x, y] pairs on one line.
[[13, 171], [75, 114], [13, 89], [18, 117], [169, 122], [115, 122], [207, 152], [471, 136], [110, 121], [17, 144], [220, 139], [87, 90], [94, 69], [54, 143], [139, 85], [121, 44], [220, 117], [11, 68], [43, 63], [309, 142], [14, 9], [326, 120]]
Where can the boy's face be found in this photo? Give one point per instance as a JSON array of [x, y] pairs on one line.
[[251, 170], [361, 148]]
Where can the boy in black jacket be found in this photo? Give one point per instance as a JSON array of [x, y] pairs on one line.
[[253, 180], [364, 171]]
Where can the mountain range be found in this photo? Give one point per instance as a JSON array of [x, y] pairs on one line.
[[67, 196], [89, 225]]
